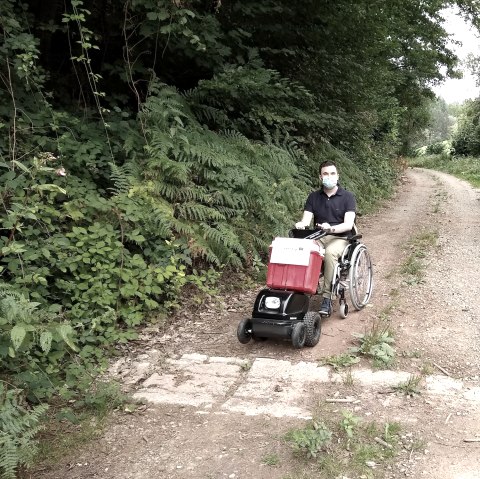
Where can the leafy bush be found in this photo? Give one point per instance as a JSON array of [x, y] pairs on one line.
[[255, 100], [36, 348], [94, 271], [444, 147], [84, 270]]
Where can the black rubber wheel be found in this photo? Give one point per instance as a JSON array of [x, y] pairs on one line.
[[313, 327], [360, 277], [343, 310], [244, 331], [299, 334]]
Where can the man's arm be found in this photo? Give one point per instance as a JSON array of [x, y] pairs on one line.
[[305, 221], [347, 224]]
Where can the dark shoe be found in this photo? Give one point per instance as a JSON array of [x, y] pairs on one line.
[[326, 307]]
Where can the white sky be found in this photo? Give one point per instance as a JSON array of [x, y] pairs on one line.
[[457, 91]]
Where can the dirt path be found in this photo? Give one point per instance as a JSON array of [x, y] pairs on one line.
[[220, 409]]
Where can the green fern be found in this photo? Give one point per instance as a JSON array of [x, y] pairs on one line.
[[229, 195], [208, 113], [18, 428], [123, 177], [198, 212]]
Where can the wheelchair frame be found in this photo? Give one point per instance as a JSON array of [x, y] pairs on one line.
[[292, 319]]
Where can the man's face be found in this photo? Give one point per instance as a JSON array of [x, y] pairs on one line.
[[329, 172]]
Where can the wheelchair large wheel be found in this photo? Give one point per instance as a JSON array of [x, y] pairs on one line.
[[360, 277]]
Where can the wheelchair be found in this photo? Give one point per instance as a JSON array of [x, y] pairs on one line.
[[354, 272], [283, 309]]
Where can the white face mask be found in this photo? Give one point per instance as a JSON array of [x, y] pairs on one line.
[[329, 183]]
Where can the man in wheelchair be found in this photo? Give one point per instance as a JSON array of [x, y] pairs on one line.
[[332, 208]]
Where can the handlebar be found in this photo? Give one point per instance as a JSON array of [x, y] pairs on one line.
[[315, 233]]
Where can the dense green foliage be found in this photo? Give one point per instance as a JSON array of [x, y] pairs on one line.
[[370, 65], [146, 145]]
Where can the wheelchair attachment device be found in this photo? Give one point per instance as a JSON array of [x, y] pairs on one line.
[[282, 309]]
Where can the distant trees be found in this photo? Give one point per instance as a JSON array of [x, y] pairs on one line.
[[440, 125]]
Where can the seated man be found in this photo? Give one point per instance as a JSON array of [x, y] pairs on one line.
[[332, 208]]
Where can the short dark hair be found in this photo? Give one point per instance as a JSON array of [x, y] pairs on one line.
[[326, 163]]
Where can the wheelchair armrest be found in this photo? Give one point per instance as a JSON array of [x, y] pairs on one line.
[[355, 237]]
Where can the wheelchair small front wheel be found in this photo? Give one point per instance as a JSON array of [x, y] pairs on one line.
[[360, 277], [343, 310]]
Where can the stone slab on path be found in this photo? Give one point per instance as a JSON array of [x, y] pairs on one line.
[[269, 386]]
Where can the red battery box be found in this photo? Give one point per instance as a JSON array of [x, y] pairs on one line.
[[294, 265]]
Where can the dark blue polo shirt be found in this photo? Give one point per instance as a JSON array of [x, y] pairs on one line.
[[330, 209]]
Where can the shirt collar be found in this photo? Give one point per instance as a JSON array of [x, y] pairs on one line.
[[339, 191]]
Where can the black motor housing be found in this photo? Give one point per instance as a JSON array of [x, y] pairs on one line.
[[278, 322]]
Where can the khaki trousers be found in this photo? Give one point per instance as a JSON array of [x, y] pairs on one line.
[[334, 247]]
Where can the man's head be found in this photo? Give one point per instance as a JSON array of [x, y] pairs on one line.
[[328, 175]]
